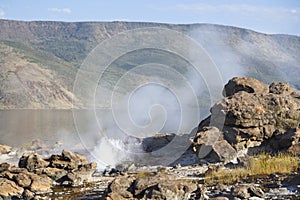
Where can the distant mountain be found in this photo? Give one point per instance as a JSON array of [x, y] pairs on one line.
[[39, 60]]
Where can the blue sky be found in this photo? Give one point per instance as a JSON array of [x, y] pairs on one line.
[[268, 16]]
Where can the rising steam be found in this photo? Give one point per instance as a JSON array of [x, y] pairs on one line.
[[148, 98]]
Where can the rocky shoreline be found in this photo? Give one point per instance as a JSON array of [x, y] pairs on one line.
[[251, 118], [70, 176]]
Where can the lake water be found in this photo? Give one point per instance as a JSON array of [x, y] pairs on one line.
[[20, 127], [74, 130]]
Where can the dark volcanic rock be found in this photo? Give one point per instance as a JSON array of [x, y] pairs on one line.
[[156, 142]]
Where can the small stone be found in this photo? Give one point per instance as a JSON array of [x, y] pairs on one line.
[[255, 198], [256, 191], [241, 191], [220, 198]]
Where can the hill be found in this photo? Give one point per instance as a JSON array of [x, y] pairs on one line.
[[39, 60]]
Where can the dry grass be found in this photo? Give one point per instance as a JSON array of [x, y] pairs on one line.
[[262, 164]]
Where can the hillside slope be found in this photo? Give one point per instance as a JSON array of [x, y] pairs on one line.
[[33, 79], [38, 60]]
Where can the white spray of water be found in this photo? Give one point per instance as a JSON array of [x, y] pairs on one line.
[[152, 107]]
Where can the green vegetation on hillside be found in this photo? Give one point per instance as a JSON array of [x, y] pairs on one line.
[[60, 48]]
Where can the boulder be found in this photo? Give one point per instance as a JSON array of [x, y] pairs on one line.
[[22, 179], [71, 179], [223, 152], [210, 144], [76, 177], [245, 84], [156, 142], [118, 189], [56, 161], [68, 160], [74, 157], [32, 162], [54, 173], [9, 189], [86, 171], [40, 183]]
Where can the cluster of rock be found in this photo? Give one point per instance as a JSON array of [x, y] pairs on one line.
[[252, 117], [170, 186], [36, 175], [151, 186]]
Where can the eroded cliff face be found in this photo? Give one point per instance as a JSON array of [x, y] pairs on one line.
[[252, 117]]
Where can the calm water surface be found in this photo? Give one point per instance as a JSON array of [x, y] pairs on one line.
[[19, 127]]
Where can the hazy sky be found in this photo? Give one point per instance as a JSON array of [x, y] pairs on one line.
[[269, 16]]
